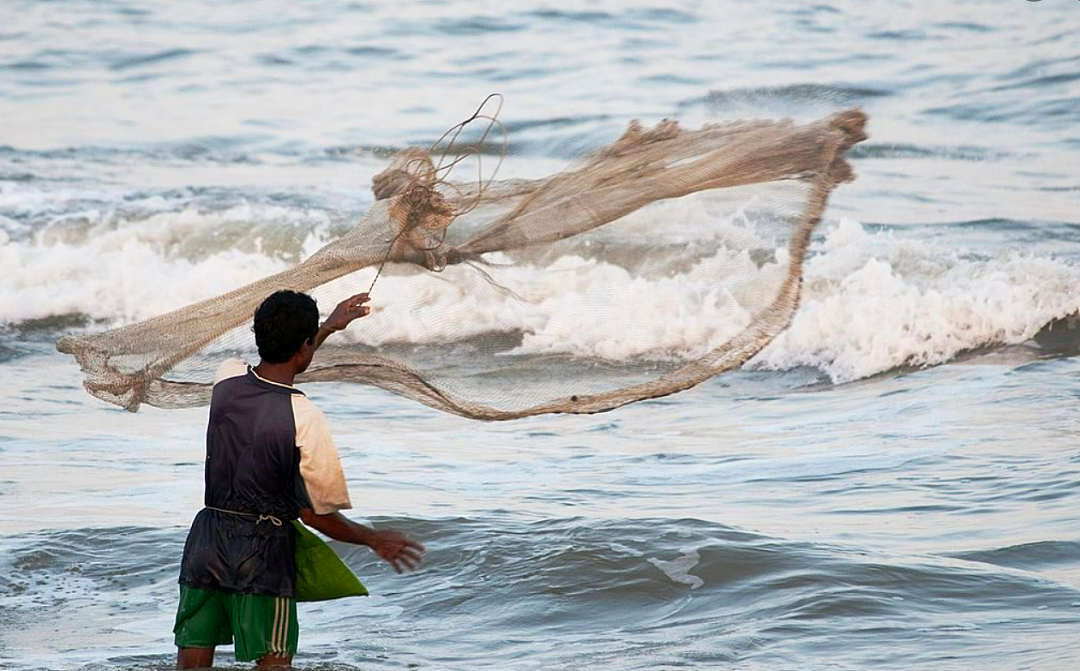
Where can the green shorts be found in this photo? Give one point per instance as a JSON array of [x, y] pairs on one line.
[[259, 624]]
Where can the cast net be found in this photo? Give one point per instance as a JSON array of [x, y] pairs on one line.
[[642, 269]]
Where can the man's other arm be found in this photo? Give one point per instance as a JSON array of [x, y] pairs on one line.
[[395, 547]]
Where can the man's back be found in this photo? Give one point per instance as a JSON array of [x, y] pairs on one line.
[[252, 462], [257, 442]]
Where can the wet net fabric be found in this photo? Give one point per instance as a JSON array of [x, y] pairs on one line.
[[643, 269]]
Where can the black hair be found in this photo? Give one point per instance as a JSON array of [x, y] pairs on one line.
[[283, 322]]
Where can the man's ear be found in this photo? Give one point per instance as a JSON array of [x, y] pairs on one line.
[[305, 350]]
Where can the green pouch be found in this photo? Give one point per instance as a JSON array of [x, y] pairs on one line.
[[320, 574]]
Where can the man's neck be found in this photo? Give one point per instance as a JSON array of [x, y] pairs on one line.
[[282, 373]]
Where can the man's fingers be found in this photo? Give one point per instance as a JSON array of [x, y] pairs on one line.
[[408, 551], [356, 301], [402, 560], [401, 552], [393, 561]]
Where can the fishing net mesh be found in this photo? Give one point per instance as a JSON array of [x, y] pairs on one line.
[[503, 299]]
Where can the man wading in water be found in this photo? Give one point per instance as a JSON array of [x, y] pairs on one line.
[[269, 460]]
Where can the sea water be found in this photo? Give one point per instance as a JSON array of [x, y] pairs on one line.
[[894, 483]]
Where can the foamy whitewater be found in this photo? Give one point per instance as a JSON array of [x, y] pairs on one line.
[[893, 483], [872, 302]]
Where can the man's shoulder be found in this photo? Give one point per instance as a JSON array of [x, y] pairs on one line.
[[230, 368], [305, 412]]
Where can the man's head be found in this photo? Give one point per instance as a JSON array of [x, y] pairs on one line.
[[285, 328]]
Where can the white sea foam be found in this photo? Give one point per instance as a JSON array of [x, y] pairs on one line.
[[871, 302], [118, 270], [575, 305], [678, 569]]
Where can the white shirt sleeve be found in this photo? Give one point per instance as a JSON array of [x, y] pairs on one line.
[[320, 466]]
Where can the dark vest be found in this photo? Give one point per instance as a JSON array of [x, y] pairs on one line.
[[252, 467]]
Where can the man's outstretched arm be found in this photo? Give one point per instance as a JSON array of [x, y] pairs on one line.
[[396, 548]]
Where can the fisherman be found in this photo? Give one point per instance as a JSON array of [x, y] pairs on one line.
[[270, 459]]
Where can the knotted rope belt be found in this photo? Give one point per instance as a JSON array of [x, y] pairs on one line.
[[260, 518]]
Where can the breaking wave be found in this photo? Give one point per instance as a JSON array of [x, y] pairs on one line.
[[873, 300]]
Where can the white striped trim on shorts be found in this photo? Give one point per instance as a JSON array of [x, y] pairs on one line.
[[279, 641]]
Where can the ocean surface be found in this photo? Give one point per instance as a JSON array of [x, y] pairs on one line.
[[894, 483]]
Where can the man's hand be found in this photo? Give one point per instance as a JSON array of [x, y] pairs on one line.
[[396, 548], [401, 552], [347, 310]]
